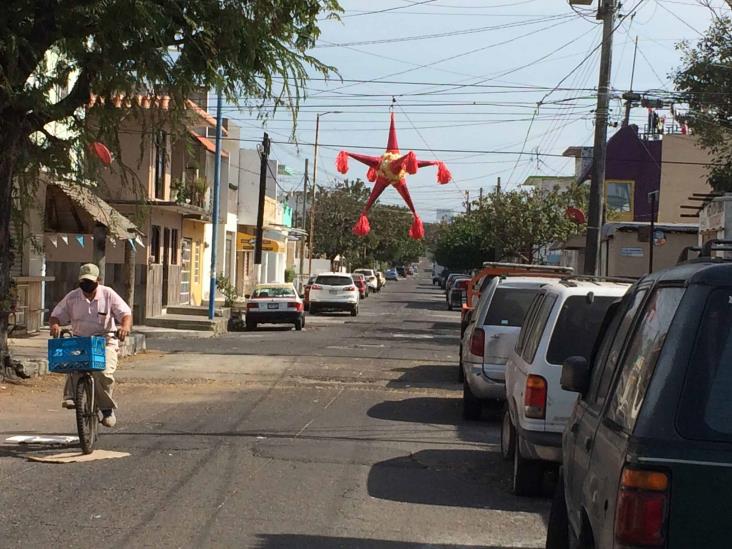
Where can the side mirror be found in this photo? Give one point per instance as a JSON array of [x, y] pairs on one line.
[[575, 375]]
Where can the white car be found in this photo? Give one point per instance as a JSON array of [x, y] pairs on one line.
[[371, 280], [275, 304], [490, 336], [334, 291], [564, 320]]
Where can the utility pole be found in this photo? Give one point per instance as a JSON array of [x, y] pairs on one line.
[[629, 96], [652, 197], [480, 197], [467, 201], [606, 12], [304, 213], [264, 157], [215, 213], [311, 237]]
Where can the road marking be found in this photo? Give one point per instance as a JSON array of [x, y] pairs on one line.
[[304, 427], [76, 457], [414, 336]]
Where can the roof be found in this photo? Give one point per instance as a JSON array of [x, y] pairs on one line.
[[209, 145], [714, 272], [117, 224], [525, 281]]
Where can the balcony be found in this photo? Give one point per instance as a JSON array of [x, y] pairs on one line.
[[191, 192]]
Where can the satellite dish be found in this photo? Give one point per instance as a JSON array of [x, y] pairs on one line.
[[102, 152], [576, 215]]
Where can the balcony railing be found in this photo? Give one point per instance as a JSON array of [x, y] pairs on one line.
[[192, 192]]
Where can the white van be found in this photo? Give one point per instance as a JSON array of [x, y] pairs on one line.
[[490, 336], [564, 320]]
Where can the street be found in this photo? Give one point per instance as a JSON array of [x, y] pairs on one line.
[[347, 434]]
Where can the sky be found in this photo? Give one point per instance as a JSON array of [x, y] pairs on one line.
[[464, 78]]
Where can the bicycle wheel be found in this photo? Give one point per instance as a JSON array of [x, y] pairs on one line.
[[86, 415]]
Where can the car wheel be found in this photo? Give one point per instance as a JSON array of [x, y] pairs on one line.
[[251, 325], [299, 323], [354, 311], [557, 533], [508, 436], [449, 306], [313, 309], [472, 406], [461, 374], [527, 473]]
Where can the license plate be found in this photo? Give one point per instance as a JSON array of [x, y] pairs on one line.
[[273, 305], [333, 292]]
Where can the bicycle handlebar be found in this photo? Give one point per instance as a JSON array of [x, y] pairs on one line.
[[67, 332]]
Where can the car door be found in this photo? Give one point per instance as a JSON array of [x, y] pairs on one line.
[[635, 368]]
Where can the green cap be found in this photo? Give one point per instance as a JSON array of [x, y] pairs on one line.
[[89, 271]]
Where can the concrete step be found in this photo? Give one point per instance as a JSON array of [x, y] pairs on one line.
[[197, 311], [188, 322]]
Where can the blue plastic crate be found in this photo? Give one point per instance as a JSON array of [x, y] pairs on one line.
[[77, 354]]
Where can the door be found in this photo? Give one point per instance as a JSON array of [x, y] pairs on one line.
[[185, 271], [166, 265]]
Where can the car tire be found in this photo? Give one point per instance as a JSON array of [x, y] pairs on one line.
[[299, 323], [472, 406], [528, 474], [251, 326], [449, 306], [461, 374], [354, 311], [557, 533], [313, 309], [508, 436]]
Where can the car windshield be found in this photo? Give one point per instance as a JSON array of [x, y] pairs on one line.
[[334, 280], [706, 409], [577, 327], [508, 306], [273, 292]]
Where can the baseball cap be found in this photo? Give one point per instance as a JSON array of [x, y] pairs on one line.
[[89, 271]]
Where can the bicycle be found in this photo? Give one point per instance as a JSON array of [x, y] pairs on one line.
[[85, 356]]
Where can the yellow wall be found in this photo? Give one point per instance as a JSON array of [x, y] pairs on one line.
[[679, 181], [194, 231]]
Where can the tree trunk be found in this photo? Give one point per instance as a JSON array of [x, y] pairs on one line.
[[6, 251]]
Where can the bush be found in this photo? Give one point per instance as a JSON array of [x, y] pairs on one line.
[[224, 285], [290, 274]]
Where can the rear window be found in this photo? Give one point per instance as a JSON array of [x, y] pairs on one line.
[[274, 292], [577, 327], [508, 306], [334, 280], [706, 407]]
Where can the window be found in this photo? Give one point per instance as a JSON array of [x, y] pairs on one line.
[[274, 291], [174, 246], [619, 199], [706, 408], [508, 306], [607, 357], [528, 323], [333, 280], [196, 257], [640, 358], [227, 255], [155, 244], [161, 146], [577, 326], [537, 329]]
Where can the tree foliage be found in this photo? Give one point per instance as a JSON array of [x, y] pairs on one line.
[[510, 226], [704, 80], [256, 53], [337, 209]]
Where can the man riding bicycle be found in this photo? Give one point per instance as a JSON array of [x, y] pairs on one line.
[[92, 309]]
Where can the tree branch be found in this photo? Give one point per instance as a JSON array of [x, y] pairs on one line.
[[77, 97]]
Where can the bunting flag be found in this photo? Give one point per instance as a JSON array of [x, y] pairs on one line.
[[139, 241], [132, 243], [80, 239], [65, 238], [114, 243], [53, 238]]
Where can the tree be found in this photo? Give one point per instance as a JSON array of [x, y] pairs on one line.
[[705, 80], [254, 52]]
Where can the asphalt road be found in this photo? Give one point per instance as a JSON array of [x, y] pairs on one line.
[[347, 434]]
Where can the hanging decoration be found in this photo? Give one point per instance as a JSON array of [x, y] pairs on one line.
[[54, 240], [65, 238], [391, 168], [80, 239]]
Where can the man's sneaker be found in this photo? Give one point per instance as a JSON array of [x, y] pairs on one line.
[[108, 419], [68, 403]]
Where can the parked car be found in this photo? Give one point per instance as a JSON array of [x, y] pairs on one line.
[[647, 453], [444, 274], [436, 270], [450, 280], [381, 278], [391, 274], [411, 271], [360, 281], [458, 292], [275, 304], [306, 293], [402, 272], [489, 337], [371, 280], [334, 291], [564, 320]]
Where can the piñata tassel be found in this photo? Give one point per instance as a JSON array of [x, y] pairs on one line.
[[443, 174], [362, 227], [411, 163], [371, 174], [416, 231], [342, 162]]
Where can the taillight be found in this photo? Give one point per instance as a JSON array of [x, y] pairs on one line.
[[294, 305], [316, 287], [251, 305], [640, 513], [535, 397], [462, 284], [350, 289], [477, 342]]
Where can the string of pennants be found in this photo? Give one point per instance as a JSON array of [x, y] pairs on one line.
[[81, 240]]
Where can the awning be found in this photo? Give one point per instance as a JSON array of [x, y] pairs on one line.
[[100, 211], [245, 243]]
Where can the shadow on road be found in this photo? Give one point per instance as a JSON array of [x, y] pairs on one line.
[[286, 541], [455, 478], [427, 375]]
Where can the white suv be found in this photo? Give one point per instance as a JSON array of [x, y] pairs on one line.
[[371, 281], [489, 338], [564, 320], [333, 291]]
